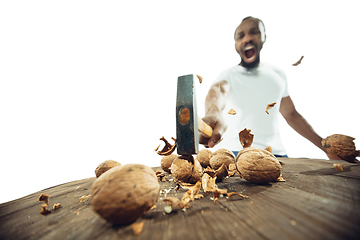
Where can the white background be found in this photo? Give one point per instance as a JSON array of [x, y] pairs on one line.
[[87, 81]]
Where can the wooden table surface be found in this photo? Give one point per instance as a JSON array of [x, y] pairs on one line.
[[315, 202]]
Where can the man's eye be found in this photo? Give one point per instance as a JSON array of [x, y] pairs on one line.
[[240, 36]]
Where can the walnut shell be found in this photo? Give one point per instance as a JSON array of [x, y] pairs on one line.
[[220, 157], [186, 169], [124, 193], [342, 146], [105, 166], [166, 162], [203, 157], [257, 165]]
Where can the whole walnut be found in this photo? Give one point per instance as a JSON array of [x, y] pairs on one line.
[[186, 169], [104, 166], [203, 157], [166, 162], [257, 165], [220, 157], [342, 146], [124, 193]]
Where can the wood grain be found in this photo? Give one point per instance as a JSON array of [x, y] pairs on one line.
[[315, 202]]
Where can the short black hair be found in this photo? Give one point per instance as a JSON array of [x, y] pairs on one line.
[[248, 17]]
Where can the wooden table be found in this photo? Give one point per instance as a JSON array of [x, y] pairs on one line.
[[315, 202]]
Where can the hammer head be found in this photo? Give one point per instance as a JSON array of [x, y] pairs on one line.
[[187, 138]]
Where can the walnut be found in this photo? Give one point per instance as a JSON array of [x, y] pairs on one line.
[[342, 146], [166, 162], [124, 193], [257, 165], [186, 169], [203, 157], [104, 166], [220, 157]]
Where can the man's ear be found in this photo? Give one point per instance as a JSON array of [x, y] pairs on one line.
[[264, 39]]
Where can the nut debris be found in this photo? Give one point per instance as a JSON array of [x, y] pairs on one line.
[[44, 198], [339, 166], [137, 228], [168, 148], [232, 112], [269, 106], [44, 210], [200, 78], [298, 62], [246, 138]]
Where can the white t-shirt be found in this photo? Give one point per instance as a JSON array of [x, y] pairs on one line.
[[251, 90]]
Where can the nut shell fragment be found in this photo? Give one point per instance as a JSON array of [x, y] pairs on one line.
[[269, 106], [342, 146], [246, 138], [232, 111], [168, 148], [44, 198], [257, 165], [124, 193]]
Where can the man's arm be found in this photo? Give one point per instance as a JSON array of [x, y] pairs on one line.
[[300, 125], [215, 103]]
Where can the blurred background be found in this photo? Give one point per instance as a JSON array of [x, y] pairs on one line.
[[82, 82]]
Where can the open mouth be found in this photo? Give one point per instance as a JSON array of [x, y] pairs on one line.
[[249, 53]]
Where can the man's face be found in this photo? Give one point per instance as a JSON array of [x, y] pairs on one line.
[[248, 42]]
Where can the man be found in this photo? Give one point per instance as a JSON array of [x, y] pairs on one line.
[[248, 88]]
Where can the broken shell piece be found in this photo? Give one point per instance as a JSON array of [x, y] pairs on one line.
[[269, 106], [208, 183], [218, 192], [85, 198], [339, 166], [44, 210], [221, 172], [168, 148], [342, 146], [190, 194], [298, 62], [232, 112], [160, 175], [44, 198], [200, 78], [246, 138], [137, 228], [176, 203], [280, 179], [56, 206], [230, 194]]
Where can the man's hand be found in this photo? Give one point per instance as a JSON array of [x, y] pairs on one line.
[[217, 122]]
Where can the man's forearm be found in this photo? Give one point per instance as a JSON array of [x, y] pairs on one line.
[[215, 101]]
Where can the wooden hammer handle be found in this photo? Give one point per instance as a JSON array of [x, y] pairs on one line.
[[205, 129]]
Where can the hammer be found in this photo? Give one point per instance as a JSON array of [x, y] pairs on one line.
[[188, 124]]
